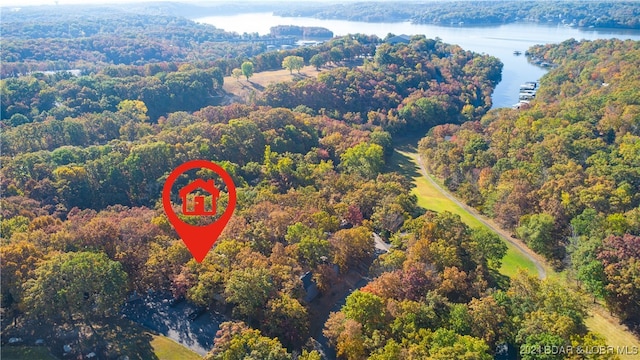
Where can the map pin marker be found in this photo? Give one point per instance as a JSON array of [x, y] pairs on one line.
[[199, 239]]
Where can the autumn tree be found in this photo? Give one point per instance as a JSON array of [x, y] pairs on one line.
[[235, 341], [620, 256], [346, 336], [236, 73], [19, 261], [288, 320], [249, 289], [135, 109], [351, 246]]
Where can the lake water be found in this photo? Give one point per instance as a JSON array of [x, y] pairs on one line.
[[499, 41]]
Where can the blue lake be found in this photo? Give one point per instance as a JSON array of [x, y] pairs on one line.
[[500, 41]]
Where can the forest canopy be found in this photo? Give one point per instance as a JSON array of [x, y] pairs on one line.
[[85, 156], [563, 175]]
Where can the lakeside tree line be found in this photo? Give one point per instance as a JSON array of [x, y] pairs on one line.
[[603, 14], [564, 174]]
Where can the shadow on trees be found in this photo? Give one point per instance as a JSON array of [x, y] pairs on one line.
[[402, 164], [126, 338]]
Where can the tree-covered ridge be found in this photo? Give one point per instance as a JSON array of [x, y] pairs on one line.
[[164, 86], [403, 87], [563, 175], [64, 38], [610, 14]]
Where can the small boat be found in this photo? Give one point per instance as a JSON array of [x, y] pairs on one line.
[[517, 53]]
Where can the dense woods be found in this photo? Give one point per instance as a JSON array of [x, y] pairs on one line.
[[85, 157], [403, 87], [562, 175]]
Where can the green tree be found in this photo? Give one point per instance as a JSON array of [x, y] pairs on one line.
[[446, 344], [336, 54], [534, 347], [74, 186], [364, 159], [537, 231], [247, 69], [18, 119], [249, 289], [367, 309], [288, 320], [487, 247], [78, 283], [318, 60], [584, 261], [293, 63]]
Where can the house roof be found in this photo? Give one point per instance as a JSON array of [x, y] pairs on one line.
[[208, 186], [307, 279]]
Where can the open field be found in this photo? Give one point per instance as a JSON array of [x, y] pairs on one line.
[[243, 88]]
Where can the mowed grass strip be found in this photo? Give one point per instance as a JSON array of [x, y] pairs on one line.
[[167, 349], [600, 322], [430, 198]]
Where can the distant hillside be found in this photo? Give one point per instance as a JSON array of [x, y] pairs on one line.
[[301, 31]]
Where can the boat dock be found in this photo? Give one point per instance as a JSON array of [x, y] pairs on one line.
[[527, 93]]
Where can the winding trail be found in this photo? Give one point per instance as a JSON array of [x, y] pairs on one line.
[[506, 236]]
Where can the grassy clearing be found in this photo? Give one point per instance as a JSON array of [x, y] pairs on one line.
[[25, 352], [167, 349], [615, 334], [243, 88], [429, 197]]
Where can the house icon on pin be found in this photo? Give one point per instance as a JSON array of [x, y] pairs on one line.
[[196, 204]]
